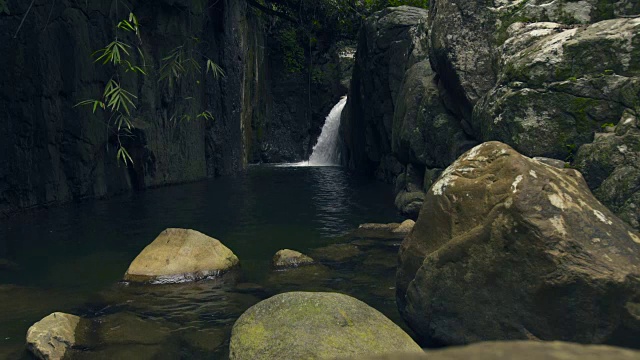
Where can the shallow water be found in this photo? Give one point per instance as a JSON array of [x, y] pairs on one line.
[[71, 259]]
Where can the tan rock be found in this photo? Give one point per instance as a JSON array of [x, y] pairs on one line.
[[180, 255], [405, 227], [51, 337]]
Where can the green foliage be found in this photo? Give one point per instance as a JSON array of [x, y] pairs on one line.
[[4, 8], [571, 150], [606, 125], [417, 3], [182, 62], [119, 103], [116, 100], [293, 53]]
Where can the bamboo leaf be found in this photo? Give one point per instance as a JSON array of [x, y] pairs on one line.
[[215, 69], [123, 155]]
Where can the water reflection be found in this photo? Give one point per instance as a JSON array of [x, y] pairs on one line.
[[71, 258], [331, 199]]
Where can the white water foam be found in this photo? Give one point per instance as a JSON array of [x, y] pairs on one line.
[[326, 151]]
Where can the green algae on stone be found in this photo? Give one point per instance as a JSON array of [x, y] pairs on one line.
[[305, 325]]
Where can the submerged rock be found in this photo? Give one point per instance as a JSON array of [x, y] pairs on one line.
[[379, 227], [507, 247], [51, 337], [180, 255], [303, 325], [337, 252], [290, 259], [520, 350]]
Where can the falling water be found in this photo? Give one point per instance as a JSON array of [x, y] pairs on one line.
[[326, 152]]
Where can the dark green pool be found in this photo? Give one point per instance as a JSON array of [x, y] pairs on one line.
[[71, 258]]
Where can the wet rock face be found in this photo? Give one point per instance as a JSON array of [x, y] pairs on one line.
[[301, 325], [181, 255], [53, 152], [507, 247]]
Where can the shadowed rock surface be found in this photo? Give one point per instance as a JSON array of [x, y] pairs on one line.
[[519, 350], [507, 247]]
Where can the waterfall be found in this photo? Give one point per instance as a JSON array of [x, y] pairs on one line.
[[326, 152]]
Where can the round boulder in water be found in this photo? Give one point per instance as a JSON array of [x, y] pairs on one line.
[[181, 255], [305, 325], [286, 258]]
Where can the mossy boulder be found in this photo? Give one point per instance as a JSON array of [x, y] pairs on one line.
[[558, 85], [509, 248], [181, 255], [304, 325], [286, 258], [51, 337], [611, 167], [337, 252]]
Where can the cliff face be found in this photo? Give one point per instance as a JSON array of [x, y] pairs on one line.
[[53, 152], [554, 80]]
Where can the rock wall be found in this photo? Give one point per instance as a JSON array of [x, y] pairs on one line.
[[53, 152], [389, 43], [547, 78]]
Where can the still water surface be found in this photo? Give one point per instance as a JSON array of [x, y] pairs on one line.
[[71, 259]]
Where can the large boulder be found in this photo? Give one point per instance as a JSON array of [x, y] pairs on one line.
[[611, 167], [390, 42], [559, 84], [179, 255], [507, 247], [520, 350], [303, 325], [51, 337]]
